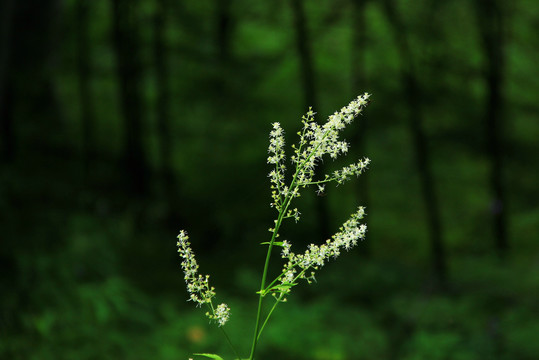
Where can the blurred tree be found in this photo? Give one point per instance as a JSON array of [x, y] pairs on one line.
[[85, 94], [359, 85], [412, 95], [358, 45], [223, 33], [28, 110], [28, 100], [490, 20], [223, 36], [308, 81], [6, 80], [223, 29], [129, 69], [162, 108]]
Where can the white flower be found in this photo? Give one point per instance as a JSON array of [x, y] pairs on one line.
[[316, 140], [222, 313], [286, 249], [316, 256], [198, 285]]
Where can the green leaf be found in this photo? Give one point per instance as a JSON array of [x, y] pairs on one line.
[[282, 287], [211, 356], [275, 243]]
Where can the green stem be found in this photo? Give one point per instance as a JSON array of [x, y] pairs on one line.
[[269, 315], [282, 212], [277, 303], [264, 276], [229, 342], [210, 306], [318, 182], [281, 275]]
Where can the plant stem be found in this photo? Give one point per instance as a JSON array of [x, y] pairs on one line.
[[263, 282], [229, 342], [282, 212], [277, 301], [210, 306]]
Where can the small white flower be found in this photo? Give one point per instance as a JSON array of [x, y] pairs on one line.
[[222, 313], [286, 249], [316, 256], [198, 285]]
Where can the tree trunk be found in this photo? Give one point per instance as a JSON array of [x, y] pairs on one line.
[[162, 85], [85, 93], [129, 76], [30, 77], [358, 87], [223, 30], [303, 47], [6, 82], [358, 46], [490, 21], [412, 95]]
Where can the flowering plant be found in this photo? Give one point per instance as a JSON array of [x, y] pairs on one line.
[[315, 142]]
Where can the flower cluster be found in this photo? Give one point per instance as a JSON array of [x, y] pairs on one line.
[[198, 285], [221, 315], [277, 157], [318, 140], [348, 171], [316, 256], [315, 141], [276, 147]]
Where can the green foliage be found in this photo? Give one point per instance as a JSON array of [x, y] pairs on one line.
[[210, 356]]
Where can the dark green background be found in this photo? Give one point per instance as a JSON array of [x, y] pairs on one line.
[[123, 122]]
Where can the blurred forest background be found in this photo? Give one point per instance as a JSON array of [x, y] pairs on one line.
[[124, 121]]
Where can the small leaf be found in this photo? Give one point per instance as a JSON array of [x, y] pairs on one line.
[[275, 243], [282, 287], [211, 356]]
